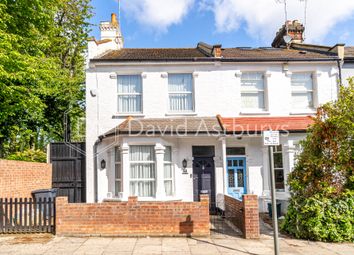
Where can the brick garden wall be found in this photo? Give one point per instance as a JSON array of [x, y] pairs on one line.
[[244, 214], [19, 179], [133, 218]]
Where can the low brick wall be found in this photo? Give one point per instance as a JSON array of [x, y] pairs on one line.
[[19, 178], [244, 214], [133, 218]]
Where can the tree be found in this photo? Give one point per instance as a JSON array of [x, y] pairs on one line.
[[42, 46], [322, 182]]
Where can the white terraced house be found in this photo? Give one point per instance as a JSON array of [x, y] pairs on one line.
[[174, 123]]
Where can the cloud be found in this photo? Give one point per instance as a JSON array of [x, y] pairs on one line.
[[157, 14], [262, 18]]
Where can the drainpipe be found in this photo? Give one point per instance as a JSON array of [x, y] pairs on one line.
[[340, 63], [95, 167]]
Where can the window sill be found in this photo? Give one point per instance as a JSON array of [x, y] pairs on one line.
[[303, 112], [254, 112], [120, 115], [181, 114]]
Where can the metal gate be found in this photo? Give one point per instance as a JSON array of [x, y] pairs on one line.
[[25, 215], [69, 170]]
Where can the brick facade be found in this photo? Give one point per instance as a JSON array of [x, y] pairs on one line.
[[133, 218], [244, 214], [19, 179]]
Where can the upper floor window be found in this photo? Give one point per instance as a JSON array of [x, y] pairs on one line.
[[252, 91], [129, 94], [180, 92], [302, 91]]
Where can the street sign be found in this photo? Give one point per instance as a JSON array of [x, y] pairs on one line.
[[271, 138]]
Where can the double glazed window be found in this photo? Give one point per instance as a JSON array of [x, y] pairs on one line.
[[302, 91], [278, 168], [180, 92], [118, 171], [252, 91], [168, 172], [129, 94], [142, 171]]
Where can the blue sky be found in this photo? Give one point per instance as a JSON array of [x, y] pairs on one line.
[[233, 23]]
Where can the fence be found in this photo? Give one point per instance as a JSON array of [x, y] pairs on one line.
[[27, 215]]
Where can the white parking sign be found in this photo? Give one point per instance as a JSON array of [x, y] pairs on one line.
[[271, 138]]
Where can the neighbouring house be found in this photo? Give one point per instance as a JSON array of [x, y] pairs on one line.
[[174, 123]]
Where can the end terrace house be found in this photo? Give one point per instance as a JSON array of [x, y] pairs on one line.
[[174, 123]]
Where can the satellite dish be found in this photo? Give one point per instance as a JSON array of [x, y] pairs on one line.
[[287, 39]]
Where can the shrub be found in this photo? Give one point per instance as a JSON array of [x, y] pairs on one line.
[[322, 181], [29, 155], [320, 218]]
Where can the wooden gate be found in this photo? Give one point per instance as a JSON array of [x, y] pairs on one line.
[[25, 215], [69, 170]]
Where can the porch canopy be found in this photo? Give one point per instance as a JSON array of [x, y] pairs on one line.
[[241, 125], [167, 126]]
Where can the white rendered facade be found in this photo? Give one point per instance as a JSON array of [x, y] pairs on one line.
[[216, 90]]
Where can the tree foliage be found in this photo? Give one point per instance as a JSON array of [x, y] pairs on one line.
[[42, 46], [322, 182]]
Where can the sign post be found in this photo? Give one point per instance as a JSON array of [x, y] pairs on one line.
[[270, 139]]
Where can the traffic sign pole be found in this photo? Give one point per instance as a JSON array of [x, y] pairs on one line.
[[274, 202]]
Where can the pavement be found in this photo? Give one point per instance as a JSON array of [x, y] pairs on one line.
[[215, 244]]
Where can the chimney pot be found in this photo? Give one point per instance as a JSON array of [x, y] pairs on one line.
[[114, 21]]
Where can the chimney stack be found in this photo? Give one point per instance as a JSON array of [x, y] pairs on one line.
[[217, 52], [295, 31], [110, 30]]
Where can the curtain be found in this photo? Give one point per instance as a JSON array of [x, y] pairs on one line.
[[129, 93], [180, 88]]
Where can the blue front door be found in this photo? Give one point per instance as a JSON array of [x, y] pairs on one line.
[[236, 176]]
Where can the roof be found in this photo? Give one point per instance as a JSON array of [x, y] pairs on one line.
[[349, 52], [181, 126], [259, 124], [203, 52]]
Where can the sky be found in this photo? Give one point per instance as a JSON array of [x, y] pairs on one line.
[[232, 23]]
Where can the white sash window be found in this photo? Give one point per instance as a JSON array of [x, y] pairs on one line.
[[142, 171], [252, 91], [118, 171], [302, 91], [180, 92], [168, 172], [129, 94]]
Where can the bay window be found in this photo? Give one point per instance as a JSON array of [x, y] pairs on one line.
[[302, 91], [129, 94], [252, 91], [180, 92], [142, 171], [118, 171], [168, 172]]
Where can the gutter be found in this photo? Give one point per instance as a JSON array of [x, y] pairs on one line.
[[212, 60]]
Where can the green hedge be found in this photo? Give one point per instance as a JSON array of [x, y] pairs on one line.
[[320, 218], [29, 155]]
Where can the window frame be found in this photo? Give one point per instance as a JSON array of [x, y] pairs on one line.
[[304, 91], [172, 179], [192, 92], [118, 163], [276, 151], [143, 162], [254, 91], [130, 94]]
